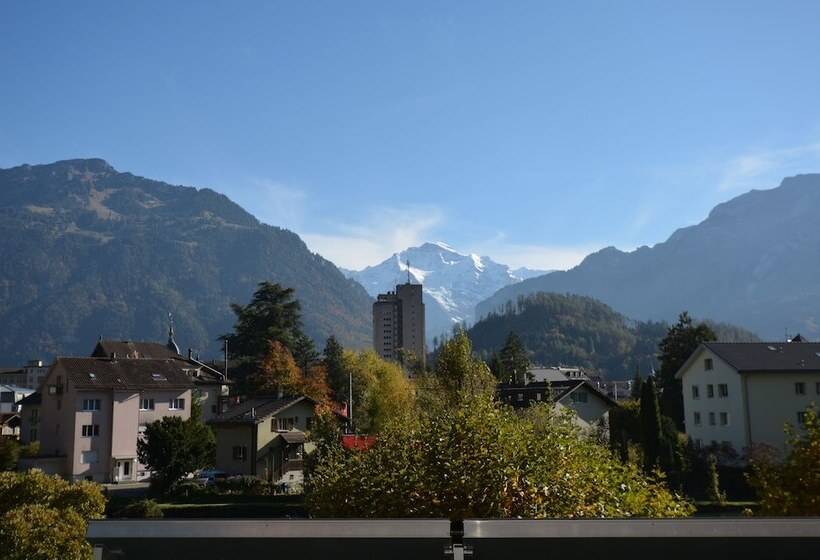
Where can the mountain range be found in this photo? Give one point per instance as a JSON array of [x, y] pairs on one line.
[[754, 261], [453, 282], [89, 251]]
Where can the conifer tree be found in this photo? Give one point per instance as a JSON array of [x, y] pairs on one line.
[[514, 360], [650, 424]]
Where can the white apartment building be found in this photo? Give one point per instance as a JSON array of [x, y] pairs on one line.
[[743, 394]]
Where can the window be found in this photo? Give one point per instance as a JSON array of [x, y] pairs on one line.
[[176, 404], [88, 457], [724, 418], [697, 419], [91, 430], [520, 397], [698, 443], [35, 414], [240, 453], [801, 418], [284, 424], [579, 396], [308, 423], [91, 404], [710, 391], [708, 365], [538, 396], [799, 388], [723, 390], [147, 404], [711, 418], [695, 392]]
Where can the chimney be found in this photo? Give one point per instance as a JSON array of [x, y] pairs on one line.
[[190, 353]]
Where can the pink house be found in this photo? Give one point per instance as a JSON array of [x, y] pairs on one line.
[[93, 411]]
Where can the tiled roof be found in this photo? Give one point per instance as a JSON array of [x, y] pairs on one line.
[[105, 373], [768, 356], [257, 409], [131, 349]]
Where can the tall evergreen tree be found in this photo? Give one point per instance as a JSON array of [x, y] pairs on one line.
[[272, 314], [514, 360], [337, 378], [680, 342], [496, 367], [304, 352], [637, 384], [650, 424]]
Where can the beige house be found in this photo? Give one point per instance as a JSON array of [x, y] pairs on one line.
[[93, 410], [590, 406], [265, 437], [742, 394]]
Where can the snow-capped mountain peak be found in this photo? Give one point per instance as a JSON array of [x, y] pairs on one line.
[[453, 282]]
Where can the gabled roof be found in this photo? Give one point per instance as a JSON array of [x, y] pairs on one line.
[[106, 373], [749, 357], [256, 410], [123, 349], [558, 390], [32, 399]]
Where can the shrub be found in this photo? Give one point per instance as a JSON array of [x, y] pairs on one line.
[[142, 509], [44, 517], [9, 453]]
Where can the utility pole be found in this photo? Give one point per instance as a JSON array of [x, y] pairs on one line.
[[350, 400], [226, 358]]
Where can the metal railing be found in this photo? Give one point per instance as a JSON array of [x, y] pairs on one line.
[[632, 539]]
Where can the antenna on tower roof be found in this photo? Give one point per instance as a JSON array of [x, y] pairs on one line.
[[408, 271]]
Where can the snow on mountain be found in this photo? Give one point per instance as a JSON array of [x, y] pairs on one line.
[[453, 282]]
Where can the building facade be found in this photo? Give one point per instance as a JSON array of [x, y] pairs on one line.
[[742, 394], [590, 406], [398, 323], [265, 437], [92, 411]]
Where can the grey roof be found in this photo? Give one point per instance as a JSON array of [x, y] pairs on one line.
[[34, 398], [557, 389], [132, 349], [293, 436], [768, 356], [257, 410], [106, 373]]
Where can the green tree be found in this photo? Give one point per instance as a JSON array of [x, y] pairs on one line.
[[457, 372], [9, 453], [481, 459], [637, 384], [172, 448], [304, 352], [495, 365], [44, 517], [681, 340], [713, 492], [272, 315], [381, 391], [650, 425], [514, 360], [334, 362], [790, 487]]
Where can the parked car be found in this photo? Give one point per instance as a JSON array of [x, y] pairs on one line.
[[210, 476]]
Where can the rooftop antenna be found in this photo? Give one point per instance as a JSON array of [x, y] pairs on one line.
[[408, 271]]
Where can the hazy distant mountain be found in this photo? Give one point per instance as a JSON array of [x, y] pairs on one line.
[[453, 282], [89, 251], [755, 262]]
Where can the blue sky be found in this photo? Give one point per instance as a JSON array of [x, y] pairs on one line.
[[533, 132]]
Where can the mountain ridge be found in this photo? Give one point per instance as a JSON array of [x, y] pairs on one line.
[[749, 262], [91, 251]]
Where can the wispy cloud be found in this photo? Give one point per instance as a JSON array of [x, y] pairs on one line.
[[764, 167], [383, 231], [542, 257], [274, 203]]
